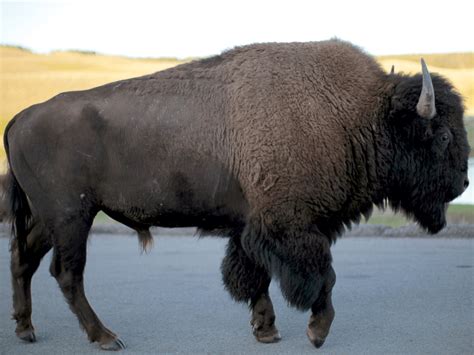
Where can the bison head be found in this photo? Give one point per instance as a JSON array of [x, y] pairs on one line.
[[430, 148]]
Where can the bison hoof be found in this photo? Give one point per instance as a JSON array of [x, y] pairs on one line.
[[267, 336], [27, 335], [314, 339], [113, 345]]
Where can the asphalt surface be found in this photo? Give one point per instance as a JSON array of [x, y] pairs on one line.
[[392, 296]]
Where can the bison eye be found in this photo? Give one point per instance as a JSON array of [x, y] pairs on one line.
[[441, 141]]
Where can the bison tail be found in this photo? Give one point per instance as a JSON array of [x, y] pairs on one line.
[[17, 208], [298, 258]]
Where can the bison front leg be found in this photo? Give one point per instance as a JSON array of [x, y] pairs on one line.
[[299, 256], [323, 312], [263, 319], [248, 282]]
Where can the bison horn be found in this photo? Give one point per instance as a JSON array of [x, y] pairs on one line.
[[426, 104], [392, 71]]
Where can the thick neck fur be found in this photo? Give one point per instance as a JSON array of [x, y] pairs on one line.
[[384, 145], [378, 158]]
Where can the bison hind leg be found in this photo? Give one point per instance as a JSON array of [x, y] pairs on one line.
[[23, 268], [70, 233]]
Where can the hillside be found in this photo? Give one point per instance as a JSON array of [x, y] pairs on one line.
[[27, 78]]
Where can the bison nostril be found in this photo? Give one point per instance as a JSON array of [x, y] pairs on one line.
[[466, 183]]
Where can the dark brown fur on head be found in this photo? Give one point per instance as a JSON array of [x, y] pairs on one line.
[[430, 155]]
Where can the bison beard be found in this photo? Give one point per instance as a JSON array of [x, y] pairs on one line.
[[280, 147]]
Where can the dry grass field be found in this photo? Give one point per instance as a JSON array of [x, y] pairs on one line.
[[27, 78]]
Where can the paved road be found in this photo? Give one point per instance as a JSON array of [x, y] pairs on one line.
[[393, 296]]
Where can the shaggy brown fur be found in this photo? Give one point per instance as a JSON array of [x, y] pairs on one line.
[[278, 145]]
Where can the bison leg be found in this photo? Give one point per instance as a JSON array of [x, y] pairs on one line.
[[323, 312], [67, 266], [248, 282], [22, 269], [263, 319]]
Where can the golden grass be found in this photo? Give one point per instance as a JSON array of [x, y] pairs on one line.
[[27, 78], [441, 60]]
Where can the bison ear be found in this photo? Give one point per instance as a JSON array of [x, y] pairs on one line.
[[426, 104]]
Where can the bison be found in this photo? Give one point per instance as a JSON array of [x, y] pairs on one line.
[[279, 146]]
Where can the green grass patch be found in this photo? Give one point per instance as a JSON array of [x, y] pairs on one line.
[[457, 214], [388, 218], [461, 214], [469, 123], [103, 218]]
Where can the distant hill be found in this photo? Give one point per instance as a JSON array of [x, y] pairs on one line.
[[27, 78], [442, 60]]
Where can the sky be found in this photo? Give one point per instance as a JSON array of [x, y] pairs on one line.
[[180, 28]]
